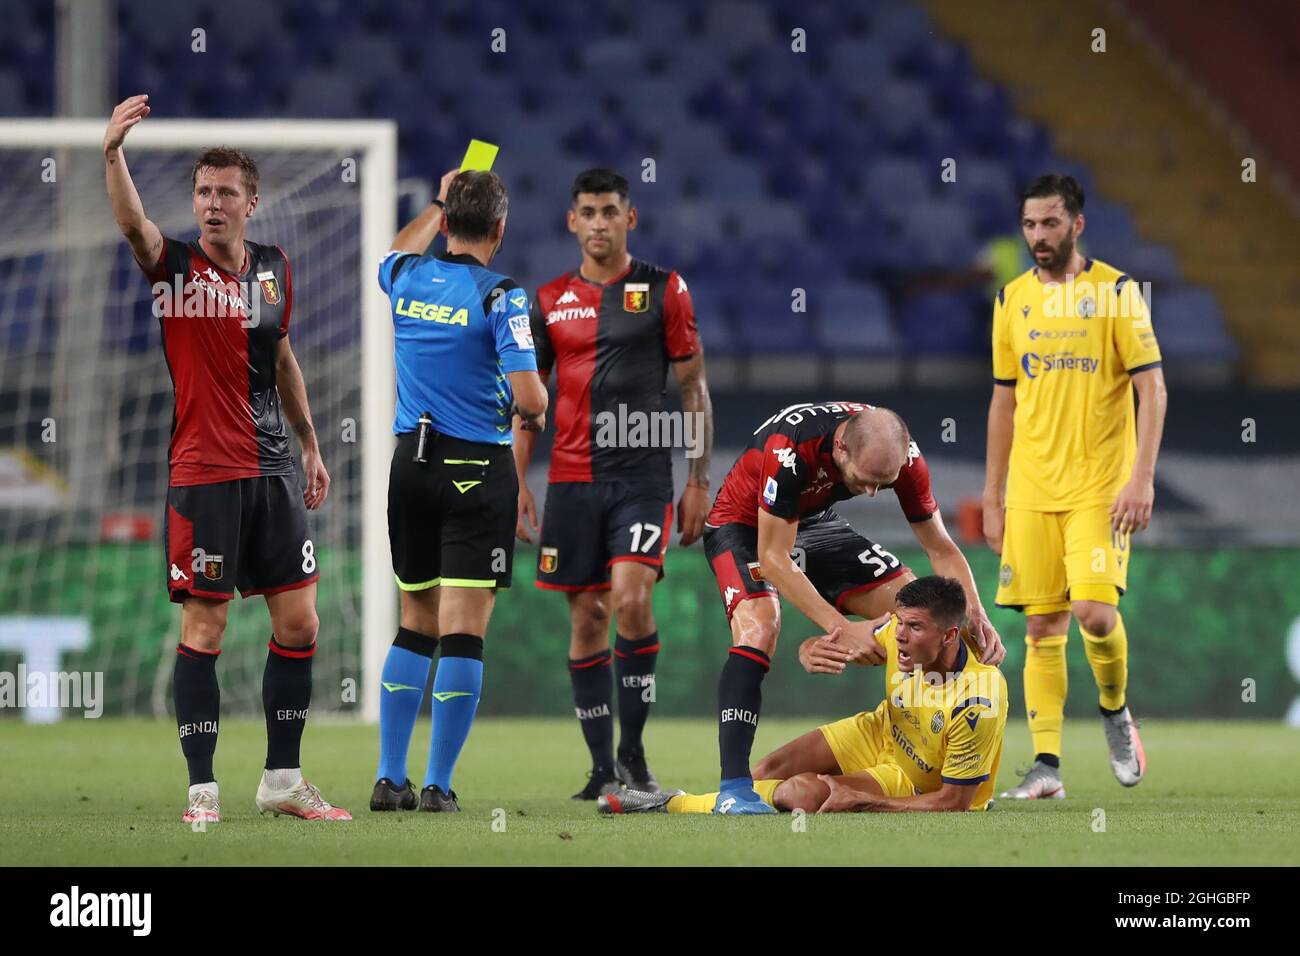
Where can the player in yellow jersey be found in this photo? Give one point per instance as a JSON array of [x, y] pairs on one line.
[[933, 743], [1070, 469]]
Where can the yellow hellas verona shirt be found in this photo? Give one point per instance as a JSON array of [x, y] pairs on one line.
[[1069, 350], [923, 735]]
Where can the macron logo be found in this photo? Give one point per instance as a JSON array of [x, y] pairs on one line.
[[568, 297], [134, 910]]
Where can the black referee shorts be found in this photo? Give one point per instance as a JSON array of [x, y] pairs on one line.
[[451, 520]]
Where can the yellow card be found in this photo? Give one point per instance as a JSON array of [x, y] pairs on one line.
[[480, 155]]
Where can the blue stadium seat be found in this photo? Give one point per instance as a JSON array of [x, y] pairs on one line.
[[736, 25], [1190, 326], [854, 319], [726, 179], [894, 185], [13, 101], [323, 94], [1108, 230], [940, 233], [1027, 150], [1151, 262], [370, 59], [941, 324], [860, 65], [987, 189], [900, 107], [768, 326], [900, 25]]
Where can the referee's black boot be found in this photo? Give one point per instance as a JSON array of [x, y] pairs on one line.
[[389, 796], [433, 800]]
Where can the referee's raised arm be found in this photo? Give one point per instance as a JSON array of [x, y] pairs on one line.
[[418, 234]]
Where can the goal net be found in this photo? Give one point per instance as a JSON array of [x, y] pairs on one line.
[[86, 402]]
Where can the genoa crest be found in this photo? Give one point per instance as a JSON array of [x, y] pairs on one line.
[[270, 287], [636, 297]]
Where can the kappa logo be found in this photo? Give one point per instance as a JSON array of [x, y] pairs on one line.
[[681, 284], [569, 296], [788, 457], [212, 275], [178, 574], [729, 595]]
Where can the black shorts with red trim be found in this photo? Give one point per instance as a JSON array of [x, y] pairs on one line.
[[250, 533], [588, 527], [836, 559]]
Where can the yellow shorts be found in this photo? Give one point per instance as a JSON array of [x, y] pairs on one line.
[[1052, 557], [859, 744]]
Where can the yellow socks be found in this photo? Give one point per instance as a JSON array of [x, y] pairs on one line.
[[767, 790], [1108, 657], [1046, 681], [693, 803], [703, 802]]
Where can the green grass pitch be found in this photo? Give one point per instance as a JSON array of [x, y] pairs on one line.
[[110, 792]]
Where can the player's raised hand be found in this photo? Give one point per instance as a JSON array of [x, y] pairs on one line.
[[527, 515], [318, 480], [692, 509], [125, 115], [1132, 508]]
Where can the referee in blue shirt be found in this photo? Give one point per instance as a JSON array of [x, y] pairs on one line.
[[465, 363]]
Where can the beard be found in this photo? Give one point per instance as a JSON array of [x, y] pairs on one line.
[[1060, 255]]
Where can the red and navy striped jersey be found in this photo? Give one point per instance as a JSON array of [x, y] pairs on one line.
[[611, 345], [221, 334], [788, 471]]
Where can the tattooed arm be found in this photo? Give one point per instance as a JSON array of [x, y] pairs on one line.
[[693, 507]]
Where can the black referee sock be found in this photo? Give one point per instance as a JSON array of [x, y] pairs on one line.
[[593, 692], [740, 697], [286, 694], [198, 709], [634, 669]]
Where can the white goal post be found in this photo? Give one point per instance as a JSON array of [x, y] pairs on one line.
[[73, 148]]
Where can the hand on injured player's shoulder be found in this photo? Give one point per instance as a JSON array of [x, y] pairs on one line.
[[986, 638], [824, 655]]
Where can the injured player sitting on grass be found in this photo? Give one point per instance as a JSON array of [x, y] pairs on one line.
[[933, 743]]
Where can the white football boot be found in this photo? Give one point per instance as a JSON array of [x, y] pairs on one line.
[[285, 792], [1041, 783], [205, 807]]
